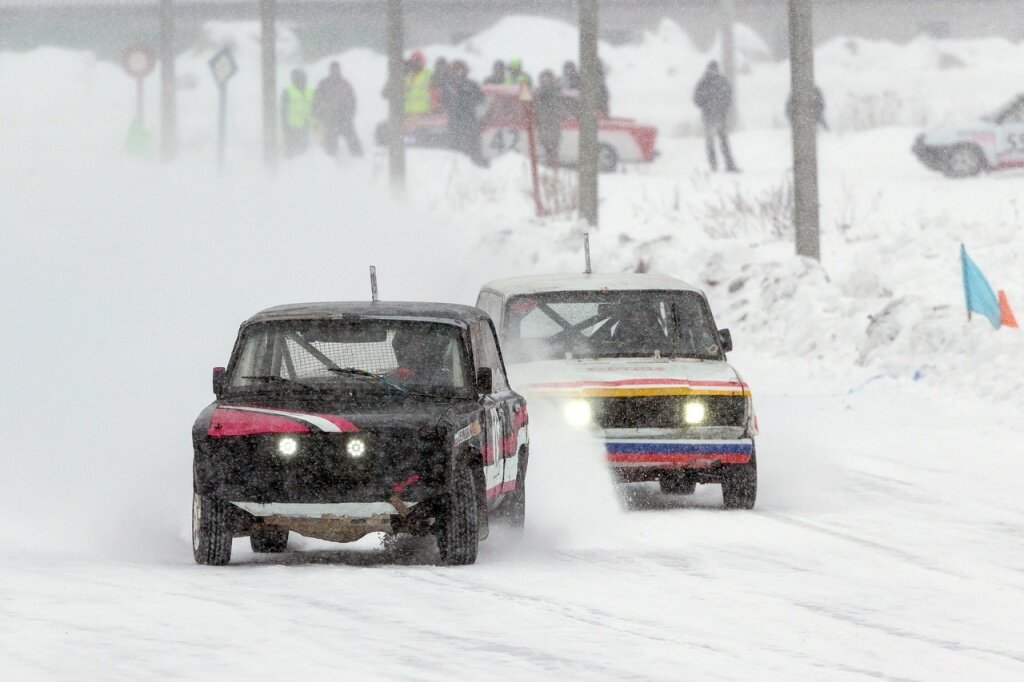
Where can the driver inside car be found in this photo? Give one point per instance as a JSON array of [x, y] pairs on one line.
[[639, 327], [420, 358]]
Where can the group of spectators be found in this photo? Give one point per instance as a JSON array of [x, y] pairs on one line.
[[448, 89], [330, 108]]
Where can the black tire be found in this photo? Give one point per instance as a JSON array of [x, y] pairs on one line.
[[211, 530], [459, 531], [607, 158], [269, 541], [739, 487], [674, 484], [964, 161]]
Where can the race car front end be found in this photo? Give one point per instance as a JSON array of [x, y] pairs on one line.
[[269, 470], [675, 429]]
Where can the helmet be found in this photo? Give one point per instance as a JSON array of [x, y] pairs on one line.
[[418, 56], [515, 63]]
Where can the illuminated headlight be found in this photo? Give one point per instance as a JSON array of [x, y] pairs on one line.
[[356, 447], [578, 413], [287, 446], [694, 412]]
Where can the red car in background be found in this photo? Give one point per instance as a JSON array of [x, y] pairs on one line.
[[504, 122]]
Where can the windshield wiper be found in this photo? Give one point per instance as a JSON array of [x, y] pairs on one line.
[[275, 379], [354, 371]]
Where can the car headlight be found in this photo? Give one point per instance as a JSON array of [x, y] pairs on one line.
[[578, 413], [287, 446], [694, 412], [356, 447]]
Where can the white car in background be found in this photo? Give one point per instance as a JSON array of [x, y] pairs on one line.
[[637, 361], [992, 142]]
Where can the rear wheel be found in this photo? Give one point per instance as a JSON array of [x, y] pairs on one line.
[[514, 508], [675, 484], [963, 161], [269, 541], [739, 487], [211, 531], [459, 532], [607, 158]]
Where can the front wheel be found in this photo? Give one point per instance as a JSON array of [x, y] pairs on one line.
[[211, 531], [269, 541], [459, 532], [964, 160], [739, 487]]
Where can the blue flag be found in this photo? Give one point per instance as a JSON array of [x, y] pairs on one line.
[[980, 297]]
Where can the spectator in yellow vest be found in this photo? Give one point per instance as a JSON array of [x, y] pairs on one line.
[[515, 74], [297, 114], [417, 86]]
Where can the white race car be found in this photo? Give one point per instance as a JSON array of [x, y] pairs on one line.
[[637, 360], [990, 143]]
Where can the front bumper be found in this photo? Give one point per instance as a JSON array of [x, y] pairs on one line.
[[677, 454], [337, 522]]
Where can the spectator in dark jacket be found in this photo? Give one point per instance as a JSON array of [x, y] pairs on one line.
[[602, 91], [334, 107], [549, 111], [497, 76], [819, 108], [570, 77], [713, 96], [460, 101]]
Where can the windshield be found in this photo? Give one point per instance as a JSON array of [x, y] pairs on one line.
[[602, 324], [1011, 112], [364, 355]]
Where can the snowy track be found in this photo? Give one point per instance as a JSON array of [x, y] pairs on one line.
[[873, 557]]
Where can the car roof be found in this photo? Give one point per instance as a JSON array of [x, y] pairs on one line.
[[628, 281], [451, 313]]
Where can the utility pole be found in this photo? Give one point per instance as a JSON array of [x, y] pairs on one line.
[[729, 58], [588, 111], [396, 97], [268, 53], [168, 89], [805, 142]]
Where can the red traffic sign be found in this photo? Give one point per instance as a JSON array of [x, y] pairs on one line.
[[139, 60]]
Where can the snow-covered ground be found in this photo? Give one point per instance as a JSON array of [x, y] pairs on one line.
[[887, 542]]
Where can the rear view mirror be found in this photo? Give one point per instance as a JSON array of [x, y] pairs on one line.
[[218, 380], [484, 381], [725, 338]]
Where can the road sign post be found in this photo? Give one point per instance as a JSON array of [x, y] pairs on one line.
[[139, 61], [223, 67]]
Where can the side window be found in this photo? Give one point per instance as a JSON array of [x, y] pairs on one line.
[[485, 348]]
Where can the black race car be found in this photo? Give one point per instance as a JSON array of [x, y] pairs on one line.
[[335, 420]]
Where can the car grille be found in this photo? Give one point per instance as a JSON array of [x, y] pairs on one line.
[[321, 470], [666, 412]]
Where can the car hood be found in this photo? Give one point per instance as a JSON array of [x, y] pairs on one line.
[[626, 376], [251, 415], [977, 130]]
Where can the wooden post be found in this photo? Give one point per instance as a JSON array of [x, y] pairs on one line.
[[168, 88], [588, 151], [396, 97], [805, 141], [268, 53], [729, 58]]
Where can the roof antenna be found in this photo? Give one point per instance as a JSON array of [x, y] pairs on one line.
[[373, 283], [586, 251]]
